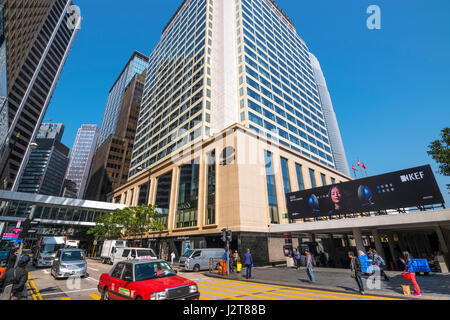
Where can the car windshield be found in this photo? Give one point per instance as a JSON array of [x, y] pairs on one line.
[[50, 248], [153, 270], [72, 256], [146, 253], [188, 253]]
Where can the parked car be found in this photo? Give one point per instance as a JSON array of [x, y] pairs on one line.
[[145, 280], [46, 250], [133, 254], [199, 259], [69, 262]]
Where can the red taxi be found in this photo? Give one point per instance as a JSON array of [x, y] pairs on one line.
[[145, 280]]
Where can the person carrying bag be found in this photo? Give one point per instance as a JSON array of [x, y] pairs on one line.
[[410, 273]]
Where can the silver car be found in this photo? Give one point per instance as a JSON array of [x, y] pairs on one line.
[[69, 263]]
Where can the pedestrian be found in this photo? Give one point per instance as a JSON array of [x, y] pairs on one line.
[[12, 258], [18, 277], [355, 267], [172, 257], [309, 265], [248, 262], [410, 273], [236, 260], [231, 262], [378, 261], [297, 259]]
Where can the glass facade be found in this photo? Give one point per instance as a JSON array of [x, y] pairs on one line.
[[187, 210], [285, 173], [278, 83], [298, 169], [211, 195], [322, 177], [313, 178], [177, 93], [271, 191], [144, 190], [163, 195]]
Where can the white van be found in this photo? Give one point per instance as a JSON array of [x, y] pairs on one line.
[[46, 250], [199, 259], [133, 254], [109, 248]]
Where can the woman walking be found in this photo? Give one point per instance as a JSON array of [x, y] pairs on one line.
[[410, 273]]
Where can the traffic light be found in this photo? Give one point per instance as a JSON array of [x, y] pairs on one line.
[[224, 235], [228, 235]]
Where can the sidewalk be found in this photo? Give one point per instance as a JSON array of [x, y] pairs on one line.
[[433, 287]]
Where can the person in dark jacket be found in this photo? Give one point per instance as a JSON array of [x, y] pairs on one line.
[[17, 277], [11, 262], [309, 265], [248, 262], [355, 267]]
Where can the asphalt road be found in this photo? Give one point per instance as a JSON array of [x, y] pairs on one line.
[[45, 287]]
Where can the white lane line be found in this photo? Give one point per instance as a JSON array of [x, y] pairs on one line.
[[93, 269], [65, 292], [45, 271], [92, 279]]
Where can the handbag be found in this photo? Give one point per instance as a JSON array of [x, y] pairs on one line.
[[353, 275], [406, 275]]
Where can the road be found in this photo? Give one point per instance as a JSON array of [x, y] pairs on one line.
[[46, 288]]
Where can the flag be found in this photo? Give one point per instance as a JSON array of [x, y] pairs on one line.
[[363, 166], [359, 164], [353, 167]]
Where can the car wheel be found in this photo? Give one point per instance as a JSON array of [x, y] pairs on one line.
[[139, 298], [105, 294], [196, 268]]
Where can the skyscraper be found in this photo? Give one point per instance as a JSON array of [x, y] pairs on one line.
[[135, 65], [231, 121], [81, 157], [39, 36], [47, 165], [112, 159]]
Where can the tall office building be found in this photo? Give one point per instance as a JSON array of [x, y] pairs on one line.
[[135, 65], [231, 121], [47, 165], [337, 146], [39, 36], [3, 84], [112, 159], [81, 158]]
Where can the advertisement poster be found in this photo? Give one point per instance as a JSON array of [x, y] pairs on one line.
[[402, 189]]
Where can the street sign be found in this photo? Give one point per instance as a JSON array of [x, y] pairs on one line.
[[95, 242], [18, 224], [32, 231]]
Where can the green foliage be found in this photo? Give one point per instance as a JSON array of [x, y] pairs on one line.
[[439, 150], [123, 223]]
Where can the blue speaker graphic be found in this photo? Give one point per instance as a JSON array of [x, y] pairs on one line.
[[365, 195], [314, 203]]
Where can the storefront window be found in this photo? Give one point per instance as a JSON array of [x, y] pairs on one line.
[[188, 195]]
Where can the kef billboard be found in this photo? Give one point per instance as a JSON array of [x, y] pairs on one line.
[[401, 189]]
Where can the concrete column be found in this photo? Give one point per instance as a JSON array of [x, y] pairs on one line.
[[359, 241], [378, 245], [444, 248], [392, 250]]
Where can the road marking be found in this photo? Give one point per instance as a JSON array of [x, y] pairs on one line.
[[93, 269], [32, 292], [66, 292], [92, 279], [34, 286], [45, 271], [319, 291], [94, 296], [265, 292], [204, 298], [220, 295], [67, 298], [241, 293]]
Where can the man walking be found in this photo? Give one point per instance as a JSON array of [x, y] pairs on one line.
[[309, 265], [18, 277], [379, 262], [248, 262], [355, 267]]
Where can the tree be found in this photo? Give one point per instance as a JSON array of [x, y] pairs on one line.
[[439, 150], [127, 222]]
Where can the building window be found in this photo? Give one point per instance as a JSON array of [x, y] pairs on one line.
[[313, 179], [333, 181], [131, 197], [211, 196], [324, 182], [188, 195], [271, 190], [125, 198], [285, 172], [162, 201], [117, 199], [143, 193], [298, 168]]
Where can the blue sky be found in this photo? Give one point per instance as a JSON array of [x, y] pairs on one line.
[[390, 87]]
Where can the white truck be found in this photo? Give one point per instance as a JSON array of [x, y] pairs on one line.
[[46, 249], [109, 248], [72, 243]]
